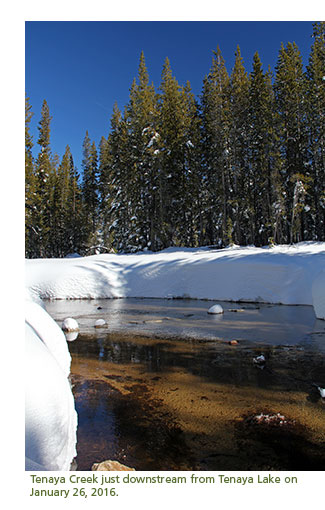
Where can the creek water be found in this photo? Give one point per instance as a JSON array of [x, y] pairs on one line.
[[160, 386]]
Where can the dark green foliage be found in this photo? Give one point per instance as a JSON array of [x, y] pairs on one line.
[[315, 119], [216, 124], [175, 115], [243, 165], [41, 220], [30, 232], [263, 171], [90, 196], [290, 99], [54, 212]]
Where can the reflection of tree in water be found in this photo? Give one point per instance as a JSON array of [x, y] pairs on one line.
[[131, 428], [115, 351], [212, 361], [141, 432]]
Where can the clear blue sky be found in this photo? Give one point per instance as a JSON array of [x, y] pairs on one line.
[[82, 68]]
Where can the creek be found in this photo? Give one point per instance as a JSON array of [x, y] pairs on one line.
[[160, 386]]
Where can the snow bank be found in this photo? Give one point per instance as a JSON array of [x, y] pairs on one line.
[[281, 274], [50, 416]]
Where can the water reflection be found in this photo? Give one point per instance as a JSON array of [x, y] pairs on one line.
[[270, 324], [177, 404], [71, 336], [161, 387]]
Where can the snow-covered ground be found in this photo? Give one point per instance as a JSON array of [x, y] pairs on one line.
[[282, 274]]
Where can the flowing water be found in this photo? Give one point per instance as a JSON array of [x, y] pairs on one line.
[[166, 386]]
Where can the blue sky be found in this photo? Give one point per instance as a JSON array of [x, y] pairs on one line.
[[82, 68]]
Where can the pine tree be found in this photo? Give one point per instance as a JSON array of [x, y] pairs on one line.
[[172, 122], [76, 233], [90, 190], [43, 181], [216, 186], [193, 197], [62, 206], [289, 90], [29, 184], [120, 213], [144, 142], [240, 178], [105, 192], [316, 133], [276, 195], [262, 148]]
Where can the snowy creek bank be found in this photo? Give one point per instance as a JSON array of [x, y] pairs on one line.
[[291, 275], [288, 275]]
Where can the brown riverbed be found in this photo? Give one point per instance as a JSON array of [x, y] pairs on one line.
[[174, 403]]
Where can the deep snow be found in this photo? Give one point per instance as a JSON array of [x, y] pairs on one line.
[[281, 274], [50, 416]]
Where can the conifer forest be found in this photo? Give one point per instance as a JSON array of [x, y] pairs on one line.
[[243, 163]]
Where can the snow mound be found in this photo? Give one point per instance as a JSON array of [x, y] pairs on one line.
[[215, 309], [70, 324], [100, 323], [50, 416], [279, 274]]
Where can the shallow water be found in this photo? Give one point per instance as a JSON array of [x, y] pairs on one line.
[[187, 318], [161, 388]]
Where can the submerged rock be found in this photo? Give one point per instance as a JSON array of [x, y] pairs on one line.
[[70, 325], [110, 465]]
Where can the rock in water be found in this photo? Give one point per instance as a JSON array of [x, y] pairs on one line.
[[259, 360], [70, 325], [215, 309], [110, 465], [100, 323]]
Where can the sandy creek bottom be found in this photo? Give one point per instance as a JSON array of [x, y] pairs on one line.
[[157, 402]]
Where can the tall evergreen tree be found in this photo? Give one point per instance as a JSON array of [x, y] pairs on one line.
[[240, 178], [60, 210], [144, 141], [105, 190], [29, 183], [43, 181], [217, 191], [172, 137], [316, 133], [192, 233], [90, 190], [122, 178], [262, 148], [289, 90]]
